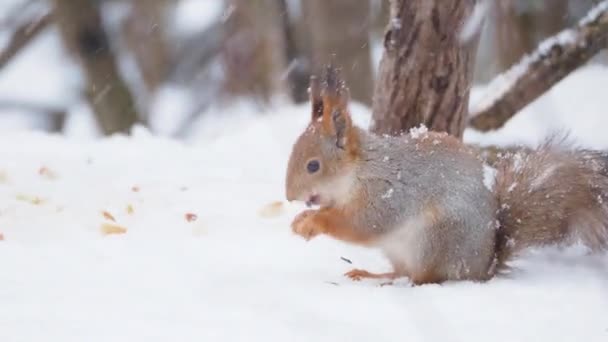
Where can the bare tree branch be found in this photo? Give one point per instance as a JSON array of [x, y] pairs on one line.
[[24, 34], [535, 74]]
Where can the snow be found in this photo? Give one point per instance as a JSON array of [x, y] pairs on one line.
[[208, 253], [595, 13], [418, 132], [396, 23], [474, 22], [55, 80], [193, 16], [170, 107], [489, 177], [388, 194]]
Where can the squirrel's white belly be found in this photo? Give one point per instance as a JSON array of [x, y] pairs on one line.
[[405, 245], [414, 248]]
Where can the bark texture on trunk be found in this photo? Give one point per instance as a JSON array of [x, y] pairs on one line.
[[425, 72], [549, 64], [83, 33], [340, 33]]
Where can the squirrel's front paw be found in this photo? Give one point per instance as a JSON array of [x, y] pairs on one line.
[[303, 224]]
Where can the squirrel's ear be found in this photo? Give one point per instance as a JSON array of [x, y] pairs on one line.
[[342, 126], [316, 101], [336, 119]]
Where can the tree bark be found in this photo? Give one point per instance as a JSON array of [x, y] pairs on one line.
[[254, 49], [83, 33], [549, 64], [340, 32], [425, 72]]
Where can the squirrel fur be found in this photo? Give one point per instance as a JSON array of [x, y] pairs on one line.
[[421, 197]]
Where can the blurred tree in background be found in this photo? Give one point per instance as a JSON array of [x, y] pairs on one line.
[[340, 32], [254, 51], [129, 52], [81, 26], [145, 32]]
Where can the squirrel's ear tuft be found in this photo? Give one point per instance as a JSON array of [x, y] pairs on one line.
[[336, 118], [314, 91], [333, 85]]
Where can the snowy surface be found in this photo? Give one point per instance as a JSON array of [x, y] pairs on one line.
[[207, 256]]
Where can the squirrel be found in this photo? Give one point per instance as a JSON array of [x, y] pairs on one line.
[[430, 203]]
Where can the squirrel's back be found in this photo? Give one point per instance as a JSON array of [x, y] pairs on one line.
[[428, 199], [427, 195]]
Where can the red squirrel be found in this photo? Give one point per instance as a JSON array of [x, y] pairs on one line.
[[421, 197]]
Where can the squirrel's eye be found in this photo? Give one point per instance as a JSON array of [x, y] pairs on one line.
[[313, 166]]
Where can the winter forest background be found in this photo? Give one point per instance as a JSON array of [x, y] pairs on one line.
[[164, 64], [143, 148]]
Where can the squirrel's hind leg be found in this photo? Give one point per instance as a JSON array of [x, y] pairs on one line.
[[358, 274]]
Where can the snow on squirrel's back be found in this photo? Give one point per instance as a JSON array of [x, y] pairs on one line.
[[197, 258]]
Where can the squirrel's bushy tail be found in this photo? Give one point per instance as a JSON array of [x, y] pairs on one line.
[[551, 195]]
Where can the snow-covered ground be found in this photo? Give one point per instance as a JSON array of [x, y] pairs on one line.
[[206, 256]]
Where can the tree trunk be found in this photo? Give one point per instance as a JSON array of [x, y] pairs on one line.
[[513, 33], [144, 31], [340, 32], [83, 33], [254, 49], [521, 25], [425, 72], [297, 53]]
